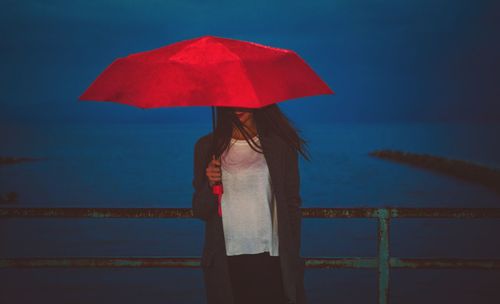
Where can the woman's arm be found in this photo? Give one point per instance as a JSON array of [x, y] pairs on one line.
[[204, 202], [292, 192]]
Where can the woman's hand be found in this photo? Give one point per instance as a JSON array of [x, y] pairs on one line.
[[213, 171]]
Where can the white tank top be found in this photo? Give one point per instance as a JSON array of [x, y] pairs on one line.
[[248, 205]]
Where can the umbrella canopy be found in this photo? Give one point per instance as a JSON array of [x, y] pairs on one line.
[[207, 71]]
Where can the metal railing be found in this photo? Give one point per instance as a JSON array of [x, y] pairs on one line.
[[383, 262]]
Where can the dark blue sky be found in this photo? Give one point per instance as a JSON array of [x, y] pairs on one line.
[[393, 60]]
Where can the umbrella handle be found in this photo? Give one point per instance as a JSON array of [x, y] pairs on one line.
[[218, 189]]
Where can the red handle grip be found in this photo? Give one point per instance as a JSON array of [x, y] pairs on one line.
[[218, 189]]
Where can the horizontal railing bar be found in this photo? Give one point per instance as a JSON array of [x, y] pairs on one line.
[[11, 212], [101, 262], [444, 263], [97, 212], [361, 212], [341, 262], [194, 262]]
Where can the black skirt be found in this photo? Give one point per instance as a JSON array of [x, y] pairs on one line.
[[256, 278]]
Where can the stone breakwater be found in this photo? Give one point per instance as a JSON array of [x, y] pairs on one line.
[[13, 197], [465, 170], [8, 160]]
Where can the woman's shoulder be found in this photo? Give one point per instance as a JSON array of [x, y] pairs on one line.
[[203, 140], [277, 138]]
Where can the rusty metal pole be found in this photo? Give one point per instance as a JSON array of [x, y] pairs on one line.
[[383, 255]]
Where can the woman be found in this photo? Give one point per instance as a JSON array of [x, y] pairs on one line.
[[252, 253]]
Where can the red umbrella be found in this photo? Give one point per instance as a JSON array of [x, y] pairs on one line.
[[207, 71]]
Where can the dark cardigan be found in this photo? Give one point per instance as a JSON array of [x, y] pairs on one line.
[[283, 166]]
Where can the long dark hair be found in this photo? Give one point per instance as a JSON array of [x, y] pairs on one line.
[[268, 119]]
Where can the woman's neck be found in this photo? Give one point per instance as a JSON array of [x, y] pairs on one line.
[[238, 135]]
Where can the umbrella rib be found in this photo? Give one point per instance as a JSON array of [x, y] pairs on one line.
[[242, 65]]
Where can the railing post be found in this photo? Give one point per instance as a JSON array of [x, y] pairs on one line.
[[383, 255]]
